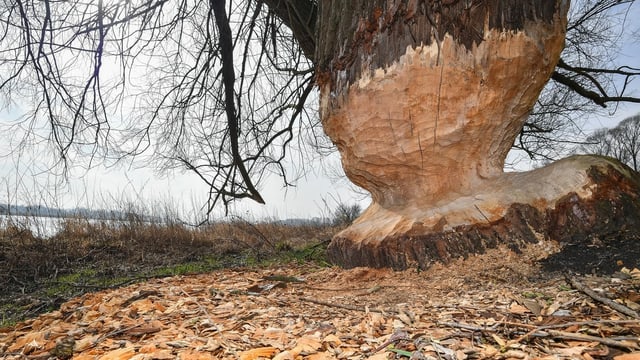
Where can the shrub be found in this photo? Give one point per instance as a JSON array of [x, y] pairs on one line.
[[345, 214]]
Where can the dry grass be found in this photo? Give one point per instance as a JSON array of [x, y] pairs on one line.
[[39, 273]]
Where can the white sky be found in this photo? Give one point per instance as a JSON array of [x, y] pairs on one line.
[[315, 195]]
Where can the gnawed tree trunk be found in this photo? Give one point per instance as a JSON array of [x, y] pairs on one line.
[[424, 100]]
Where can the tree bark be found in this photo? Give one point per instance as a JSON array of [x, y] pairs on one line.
[[578, 200], [301, 17], [424, 100]]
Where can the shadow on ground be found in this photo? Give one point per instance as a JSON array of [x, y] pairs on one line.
[[601, 257]]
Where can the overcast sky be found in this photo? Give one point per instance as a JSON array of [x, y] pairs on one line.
[[315, 195]]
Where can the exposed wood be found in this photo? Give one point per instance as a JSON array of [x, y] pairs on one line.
[[598, 199], [413, 135], [364, 35], [424, 100]]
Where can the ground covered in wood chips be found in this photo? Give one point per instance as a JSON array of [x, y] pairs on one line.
[[499, 305]]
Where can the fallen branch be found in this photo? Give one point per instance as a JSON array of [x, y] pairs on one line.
[[591, 322], [141, 295], [572, 323], [582, 337], [547, 333], [612, 304]]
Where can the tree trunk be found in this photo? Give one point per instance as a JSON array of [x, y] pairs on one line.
[[424, 100]]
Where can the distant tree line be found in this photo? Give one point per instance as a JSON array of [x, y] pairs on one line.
[[30, 210], [45, 211], [621, 142]]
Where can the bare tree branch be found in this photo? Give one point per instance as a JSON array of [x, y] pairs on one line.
[[601, 97], [585, 82], [229, 78]]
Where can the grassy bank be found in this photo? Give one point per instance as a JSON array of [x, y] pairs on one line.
[[38, 274]]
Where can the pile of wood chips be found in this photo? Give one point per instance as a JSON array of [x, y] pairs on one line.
[[493, 306]]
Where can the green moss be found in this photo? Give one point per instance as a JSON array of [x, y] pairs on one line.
[[8, 314], [195, 267], [68, 283], [316, 253], [96, 258]]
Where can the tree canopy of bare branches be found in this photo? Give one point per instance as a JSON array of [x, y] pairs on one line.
[[223, 89], [621, 142], [217, 88], [585, 81]]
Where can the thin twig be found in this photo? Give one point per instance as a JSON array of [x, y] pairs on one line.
[[393, 339], [519, 339], [492, 328], [141, 295], [612, 304]]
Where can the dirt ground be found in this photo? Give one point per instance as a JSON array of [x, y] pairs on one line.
[[498, 305]]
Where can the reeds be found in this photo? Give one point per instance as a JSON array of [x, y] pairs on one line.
[[39, 265]]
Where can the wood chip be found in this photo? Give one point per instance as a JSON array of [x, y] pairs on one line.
[[461, 311]]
